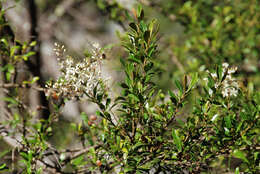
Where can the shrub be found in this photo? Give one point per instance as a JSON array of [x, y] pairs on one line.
[[142, 130]]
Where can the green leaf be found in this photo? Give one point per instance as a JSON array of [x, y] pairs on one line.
[[239, 126], [133, 26], [39, 171], [134, 59], [179, 86], [13, 50], [140, 13], [219, 72], [5, 42], [10, 100], [108, 101], [151, 51], [194, 79], [241, 155], [151, 25], [128, 169], [133, 97], [35, 79], [237, 170], [3, 167], [147, 36], [33, 43], [99, 97], [147, 165], [180, 122], [84, 116], [176, 139], [31, 53], [173, 97], [10, 68], [123, 85], [148, 67], [2, 154], [120, 99], [129, 18], [78, 161], [256, 154], [143, 26], [101, 4], [24, 155], [228, 121], [30, 155], [122, 61], [95, 91]]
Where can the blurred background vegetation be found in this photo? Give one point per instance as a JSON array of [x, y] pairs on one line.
[[194, 37]]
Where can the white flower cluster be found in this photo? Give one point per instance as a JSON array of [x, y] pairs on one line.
[[229, 86], [77, 78]]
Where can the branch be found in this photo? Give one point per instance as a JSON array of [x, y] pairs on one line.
[[14, 85], [77, 154], [35, 67]]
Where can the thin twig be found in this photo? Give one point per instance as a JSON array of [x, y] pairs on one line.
[[14, 85]]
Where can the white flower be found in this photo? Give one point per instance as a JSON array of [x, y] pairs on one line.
[[77, 78], [225, 65], [210, 92], [206, 80], [229, 91], [229, 86], [225, 93], [216, 85], [214, 75], [232, 70], [96, 45]]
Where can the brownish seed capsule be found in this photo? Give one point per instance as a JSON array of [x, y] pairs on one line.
[[38, 107], [104, 56], [93, 117], [90, 123], [99, 163], [55, 96]]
